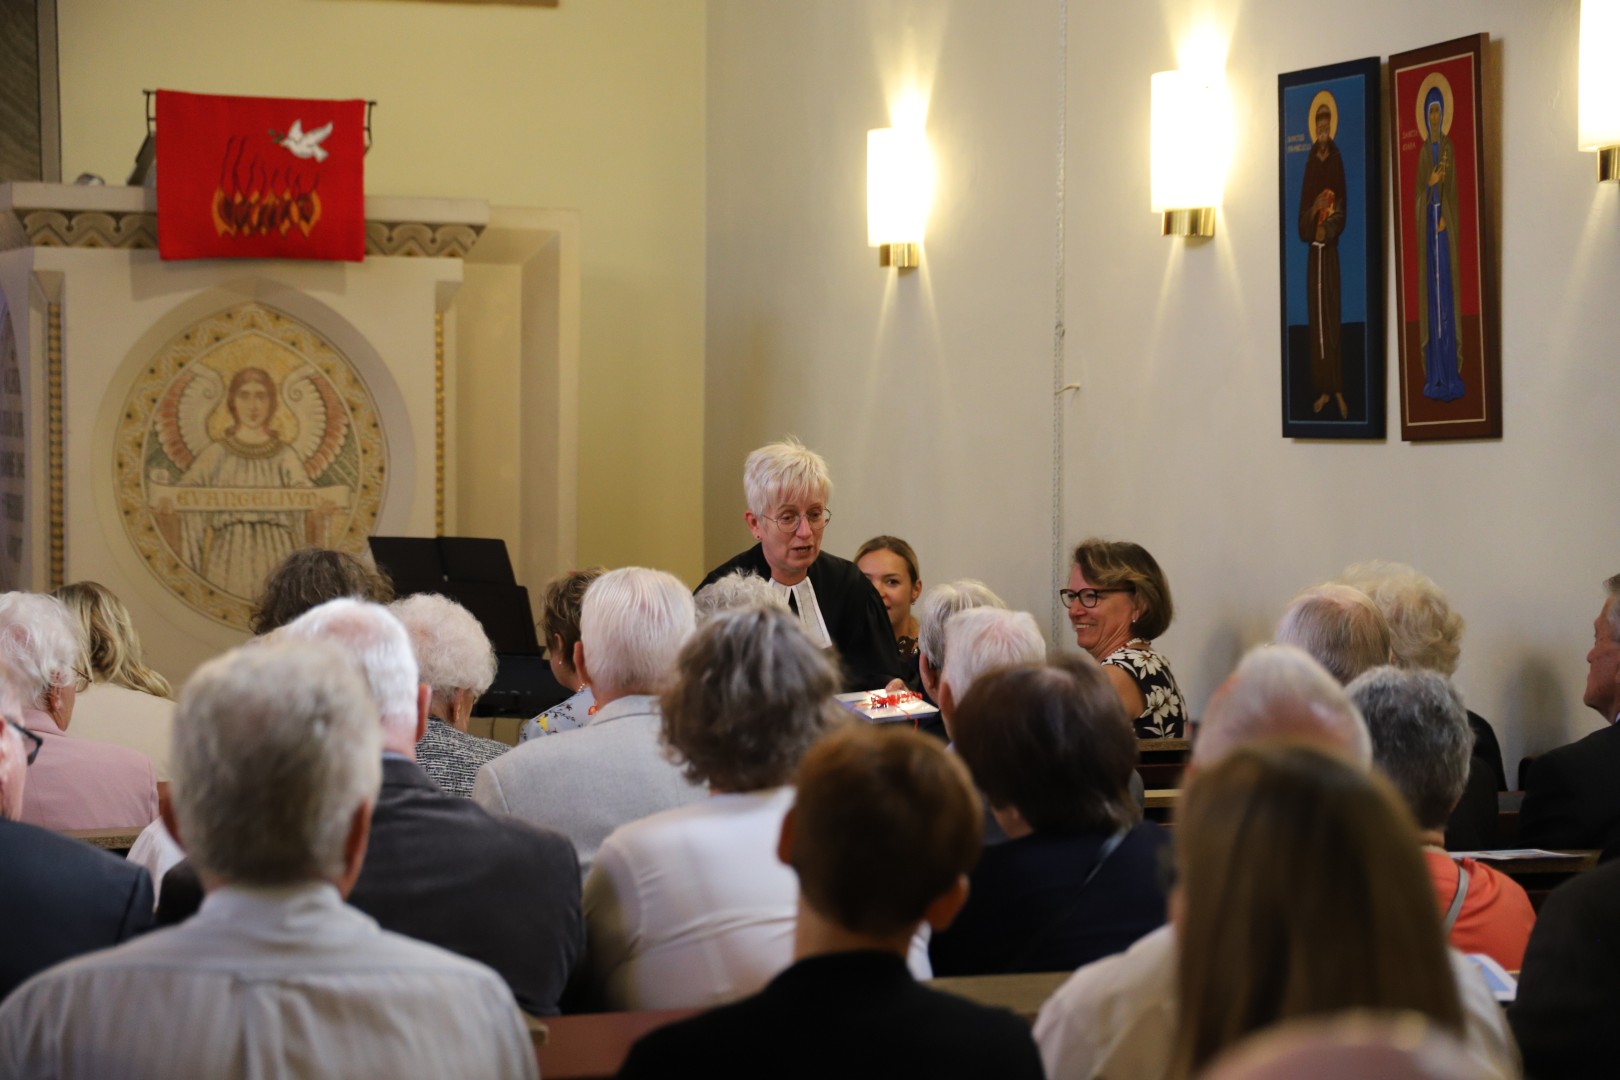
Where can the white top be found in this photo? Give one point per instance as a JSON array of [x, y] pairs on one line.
[[156, 850], [1117, 1017], [809, 612], [109, 713], [265, 983], [691, 907]]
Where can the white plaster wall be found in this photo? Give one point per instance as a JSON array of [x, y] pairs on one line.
[[1175, 442], [929, 392]]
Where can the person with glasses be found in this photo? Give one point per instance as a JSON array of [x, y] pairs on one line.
[[60, 897], [1119, 601], [787, 487], [74, 783]]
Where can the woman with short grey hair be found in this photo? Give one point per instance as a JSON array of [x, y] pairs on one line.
[[787, 487], [1421, 742], [692, 907]]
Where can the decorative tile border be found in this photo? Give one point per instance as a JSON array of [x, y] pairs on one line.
[[137, 231]]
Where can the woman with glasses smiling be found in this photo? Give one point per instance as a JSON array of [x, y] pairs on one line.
[[1119, 601], [787, 488]]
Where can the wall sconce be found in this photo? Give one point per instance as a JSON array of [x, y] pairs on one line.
[[899, 188], [1190, 140], [1599, 127]]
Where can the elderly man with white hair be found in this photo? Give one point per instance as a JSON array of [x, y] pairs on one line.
[[934, 610], [1117, 1017], [440, 869], [60, 897], [979, 640], [612, 771], [276, 976], [1340, 627], [787, 487], [74, 783], [457, 662]]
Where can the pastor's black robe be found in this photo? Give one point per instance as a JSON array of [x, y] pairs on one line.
[[856, 620]]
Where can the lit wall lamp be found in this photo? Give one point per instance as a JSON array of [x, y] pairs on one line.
[[899, 188], [1190, 141], [1599, 127]]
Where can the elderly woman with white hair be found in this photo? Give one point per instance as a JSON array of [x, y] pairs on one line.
[[73, 783], [457, 662], [787, 487]]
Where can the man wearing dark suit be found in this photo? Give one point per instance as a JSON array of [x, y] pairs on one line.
[[1563, 1015], [882, 834], [439, 868], [58, 897], [1572, 794]]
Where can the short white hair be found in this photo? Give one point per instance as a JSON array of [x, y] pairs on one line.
[[632, 625], [452, 651], [373, 639], [984, 638], [1280, 692], [40, 644], [1425, 634], [1338, 625], [736, 591], [275, 747], [938, 605], [781, 472]]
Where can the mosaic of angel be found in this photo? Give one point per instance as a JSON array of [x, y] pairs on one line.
[[278, 439]]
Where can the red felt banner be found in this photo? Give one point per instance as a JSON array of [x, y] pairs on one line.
[[260, 178]]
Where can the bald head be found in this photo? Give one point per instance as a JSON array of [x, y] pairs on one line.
[[1338, 625], [1280, 692]]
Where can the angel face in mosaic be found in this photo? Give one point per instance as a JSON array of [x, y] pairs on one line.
[[249, 513]]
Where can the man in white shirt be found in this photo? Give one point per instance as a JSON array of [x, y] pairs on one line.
[[1117, 1017], [276, 769], [589, 781]]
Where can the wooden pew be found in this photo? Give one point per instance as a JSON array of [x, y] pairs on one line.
[[1023, 994], [592, 1045], [117, 841]]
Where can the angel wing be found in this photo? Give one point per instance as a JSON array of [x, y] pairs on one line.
[[182, 413], [323, 422]]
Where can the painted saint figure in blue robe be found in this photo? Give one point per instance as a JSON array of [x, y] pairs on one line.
[[1439, 311]]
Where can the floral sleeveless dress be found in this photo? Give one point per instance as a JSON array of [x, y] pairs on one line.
[[1164, 713]]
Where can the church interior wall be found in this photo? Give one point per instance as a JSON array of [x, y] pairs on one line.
[[716, 153], [591, 106], [1175, 441], [930, 392]]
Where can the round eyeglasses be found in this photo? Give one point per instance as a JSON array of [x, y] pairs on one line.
[[816, 517]]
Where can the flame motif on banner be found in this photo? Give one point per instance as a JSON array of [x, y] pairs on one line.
[[260, 178]]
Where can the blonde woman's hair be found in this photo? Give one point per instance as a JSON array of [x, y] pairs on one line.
[[1425, 634], [111, 645], [1305, 893]]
